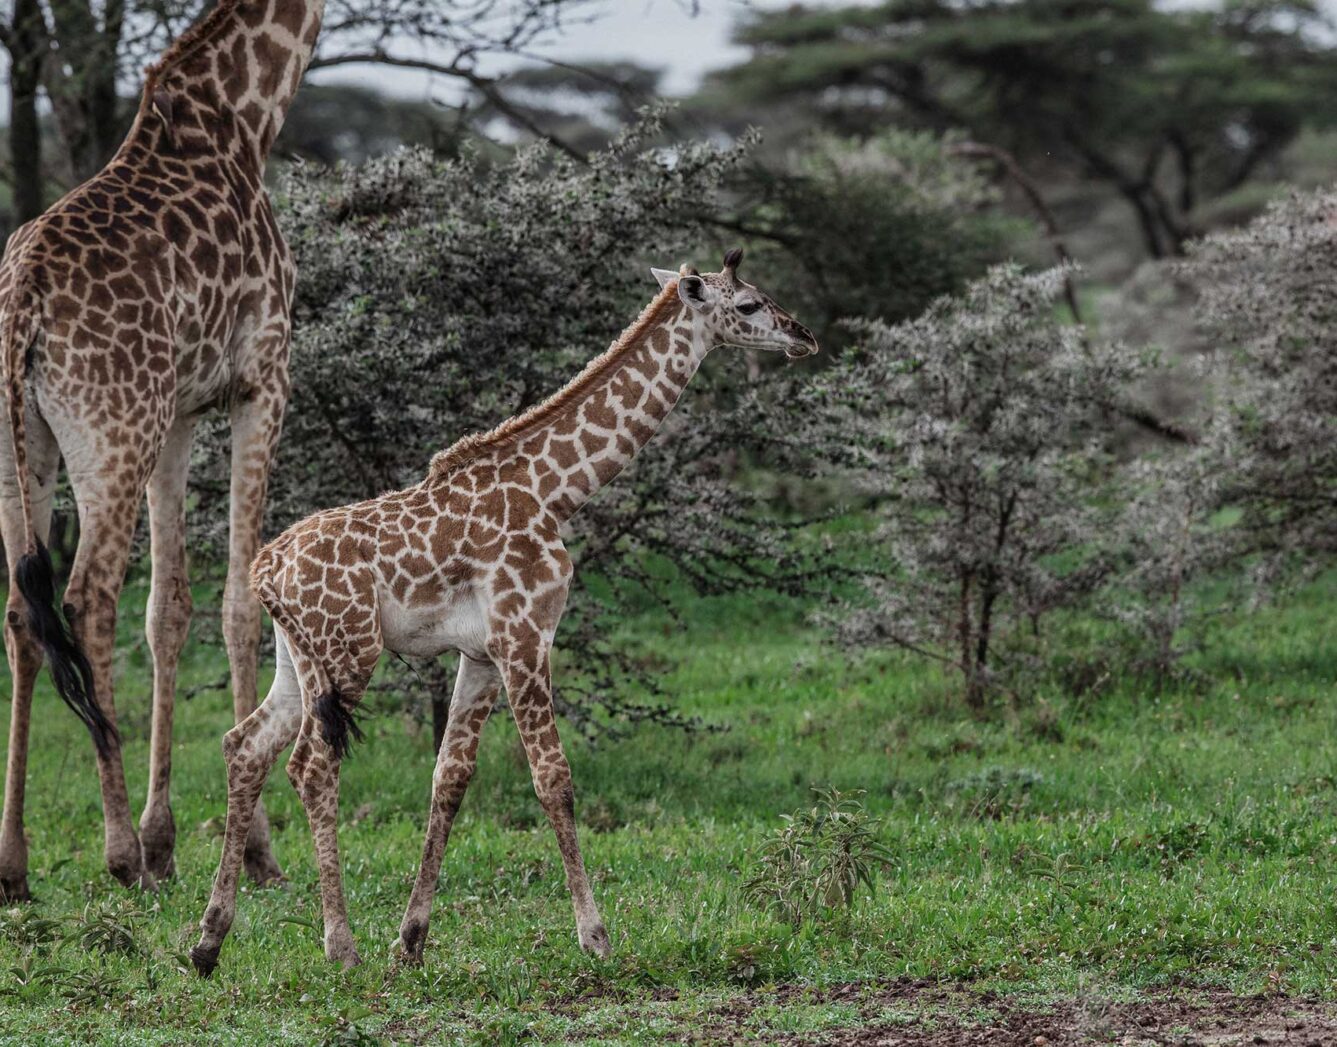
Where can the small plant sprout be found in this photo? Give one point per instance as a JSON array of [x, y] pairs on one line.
[[815, 862]]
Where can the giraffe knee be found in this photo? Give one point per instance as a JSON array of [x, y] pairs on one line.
[[450, 783], [25, 656], [241, 616], [90, 607], [555, 790], [169, 612]]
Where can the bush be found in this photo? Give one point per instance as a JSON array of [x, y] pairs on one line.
[[1267, 299], [987, 423]]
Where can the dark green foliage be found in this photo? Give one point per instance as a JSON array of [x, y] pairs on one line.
[[352, 123], [1170, 106], [876, 229]]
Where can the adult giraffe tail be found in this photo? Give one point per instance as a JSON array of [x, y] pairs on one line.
[[33, 573]]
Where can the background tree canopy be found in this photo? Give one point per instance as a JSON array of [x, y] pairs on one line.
[[1172, 107]]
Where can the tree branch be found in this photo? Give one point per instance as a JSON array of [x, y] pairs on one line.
[[486, 86]]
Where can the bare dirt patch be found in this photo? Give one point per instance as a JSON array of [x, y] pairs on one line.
[[919, 1014]]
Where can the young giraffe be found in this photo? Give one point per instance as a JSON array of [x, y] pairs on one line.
[[469, 560], [156, 290]]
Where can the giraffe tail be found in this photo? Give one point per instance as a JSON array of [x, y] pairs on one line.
[[33, 572], [336, 716]]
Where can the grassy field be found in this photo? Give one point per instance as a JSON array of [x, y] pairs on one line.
[[1062, 852]]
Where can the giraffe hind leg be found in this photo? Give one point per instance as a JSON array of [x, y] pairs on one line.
[[256, 422], [25, 657], [313, 770]]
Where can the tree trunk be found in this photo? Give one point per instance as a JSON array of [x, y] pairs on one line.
[[27, 45], [84, 100], [1153, 235]]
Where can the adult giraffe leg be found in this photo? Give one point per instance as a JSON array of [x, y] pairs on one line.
[[256, 423], [476, 687], [167, 624], [25, 658], [250, 750], [523, 661], [108, 508]]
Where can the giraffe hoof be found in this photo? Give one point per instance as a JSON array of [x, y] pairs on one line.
[[157, 842], [263, 869], [14, 889], [159, 868], [159, 864], [132, 874], [204, 960], [345, 958], [595, 940], [412, 937]]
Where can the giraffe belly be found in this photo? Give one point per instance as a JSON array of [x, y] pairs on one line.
[[455, 624], [203, 377]]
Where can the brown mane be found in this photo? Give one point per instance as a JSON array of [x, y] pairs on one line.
[[199, 34], [468, 448]]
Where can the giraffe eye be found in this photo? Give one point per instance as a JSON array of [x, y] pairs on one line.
[[748, 308]]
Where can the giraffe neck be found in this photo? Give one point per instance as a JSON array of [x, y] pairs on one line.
[[594, 436], [233, 75]]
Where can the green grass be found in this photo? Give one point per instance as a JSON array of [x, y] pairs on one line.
[[1129, 843]]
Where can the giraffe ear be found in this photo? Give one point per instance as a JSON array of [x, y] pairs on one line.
[[694, 292], [664, 276]]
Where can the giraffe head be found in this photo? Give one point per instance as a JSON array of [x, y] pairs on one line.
[[738, 313]]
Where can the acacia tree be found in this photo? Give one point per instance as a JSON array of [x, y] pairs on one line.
[[1169, 106], [986, 419], [84, 53], [1267, 299]]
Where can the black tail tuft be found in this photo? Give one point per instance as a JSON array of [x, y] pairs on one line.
[[337, 724], [70, 669]]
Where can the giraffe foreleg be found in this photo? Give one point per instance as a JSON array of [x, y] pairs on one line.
[[522, 658], [476, 687], [256, 423], [250, 750]]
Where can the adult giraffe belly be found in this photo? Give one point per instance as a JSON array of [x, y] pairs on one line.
[[425, 626], [215, 326], [203, 376]]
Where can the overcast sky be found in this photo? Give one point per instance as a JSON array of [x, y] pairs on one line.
[[661, 34]]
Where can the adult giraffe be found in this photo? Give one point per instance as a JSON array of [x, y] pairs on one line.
[[471, 559], [155, 291]]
